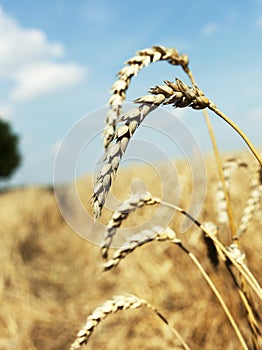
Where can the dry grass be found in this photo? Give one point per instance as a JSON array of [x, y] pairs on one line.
[[51, 279]]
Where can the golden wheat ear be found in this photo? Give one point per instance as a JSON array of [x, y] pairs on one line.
[[112, 306]]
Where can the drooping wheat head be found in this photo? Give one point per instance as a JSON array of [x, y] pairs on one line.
[[142, 59], [112, 306]]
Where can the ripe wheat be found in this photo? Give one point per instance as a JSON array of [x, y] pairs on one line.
[[118, 132]]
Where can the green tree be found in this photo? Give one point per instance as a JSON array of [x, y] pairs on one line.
[[10, 157]]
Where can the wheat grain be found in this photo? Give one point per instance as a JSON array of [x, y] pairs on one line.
[[112, 306], [177, 94], [142, 59], [136, 201]]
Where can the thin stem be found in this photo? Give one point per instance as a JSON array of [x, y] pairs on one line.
[[242, 291], [219, 297], [218, 160], [176, 333], [221, 175], [245, 297], [214, 108]]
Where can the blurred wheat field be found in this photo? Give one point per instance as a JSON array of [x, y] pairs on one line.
[[51, 278]]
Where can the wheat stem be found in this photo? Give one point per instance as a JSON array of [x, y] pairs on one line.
[[252, 202], [214, 108], [218, 159], [220, 299], [221, 174]]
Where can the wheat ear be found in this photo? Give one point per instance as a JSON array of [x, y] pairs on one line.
[[112, 306], [229, 167], [157, 233], [142, 59], [138, 200], [253, 201]]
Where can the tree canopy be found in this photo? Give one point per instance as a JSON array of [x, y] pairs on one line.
[[10, 157]]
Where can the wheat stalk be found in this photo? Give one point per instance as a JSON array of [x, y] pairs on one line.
[[185, 96], [138, 200], [221, 174], [142, 59], [177, 94], [112, 306]]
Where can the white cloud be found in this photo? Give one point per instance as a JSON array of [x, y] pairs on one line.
[[209, 29], [29, 59], [44, 77]]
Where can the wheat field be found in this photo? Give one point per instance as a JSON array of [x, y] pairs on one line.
[[51, 279], [197, 289]]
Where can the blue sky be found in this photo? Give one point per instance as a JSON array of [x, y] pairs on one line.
[[59, 58]]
